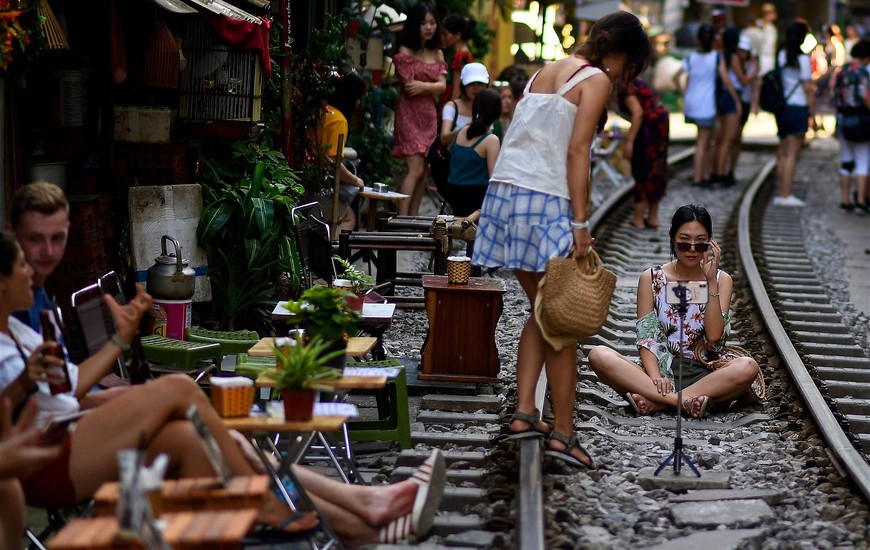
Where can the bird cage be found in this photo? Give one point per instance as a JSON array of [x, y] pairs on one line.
[[218, 82]]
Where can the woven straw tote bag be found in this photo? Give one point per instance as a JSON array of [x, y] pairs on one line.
[[713, 361], [573, 298]]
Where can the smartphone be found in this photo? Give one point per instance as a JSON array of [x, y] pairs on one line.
[[210, 446], [110, 284], [689, 292]]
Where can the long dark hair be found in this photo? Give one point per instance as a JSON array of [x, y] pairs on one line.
[[689, 213], [730, 40], [485, 109], [706, 35], [349, 88], [615, 34], [411, 28], [8, 252], [794, 37], [459, 24]]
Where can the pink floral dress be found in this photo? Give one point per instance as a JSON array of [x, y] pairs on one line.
[[416, 117]]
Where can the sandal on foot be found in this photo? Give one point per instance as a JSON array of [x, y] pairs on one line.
[[702, 403], [565, 454], [635, 403], [530, 419]]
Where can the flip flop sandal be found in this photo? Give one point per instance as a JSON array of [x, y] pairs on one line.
[[431, 476], [565, 454], [634, 404], [530, 419], [706, 404]]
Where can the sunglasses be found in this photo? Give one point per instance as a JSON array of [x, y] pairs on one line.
[[685, 247]]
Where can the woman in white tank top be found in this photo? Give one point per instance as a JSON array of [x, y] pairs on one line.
[[536, 206]]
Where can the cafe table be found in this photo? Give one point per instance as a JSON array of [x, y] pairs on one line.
[[193, 494], [374, 198], [357, 346], [194, 530]]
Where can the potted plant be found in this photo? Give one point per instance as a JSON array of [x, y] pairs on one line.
[[358, 281], [324, 313], [300, 370]]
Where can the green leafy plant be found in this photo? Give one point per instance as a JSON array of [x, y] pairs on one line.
[[245, 229], [303, 365], [324, 313], [359, 279]]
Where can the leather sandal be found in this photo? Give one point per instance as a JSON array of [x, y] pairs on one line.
[[702, 402], [530, 419], [565, 454]]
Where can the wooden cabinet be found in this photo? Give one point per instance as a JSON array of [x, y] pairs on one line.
[[460, 345]]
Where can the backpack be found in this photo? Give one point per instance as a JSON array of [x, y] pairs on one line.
[[771, 97]]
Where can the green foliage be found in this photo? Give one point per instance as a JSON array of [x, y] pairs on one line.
[[303, 365], [245, 229], [311, 74], [325, 313], [360, 280], [369, 138]]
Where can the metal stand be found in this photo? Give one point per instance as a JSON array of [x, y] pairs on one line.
[[677, 455]]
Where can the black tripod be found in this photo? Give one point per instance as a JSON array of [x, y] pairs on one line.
[[677, 455]]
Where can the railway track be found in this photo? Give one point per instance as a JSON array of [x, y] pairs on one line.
[[503, 494]]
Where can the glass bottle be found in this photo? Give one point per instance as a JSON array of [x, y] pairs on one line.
[[49, 335]]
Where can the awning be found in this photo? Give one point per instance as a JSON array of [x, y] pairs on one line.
[[593, 10], [218, 7]]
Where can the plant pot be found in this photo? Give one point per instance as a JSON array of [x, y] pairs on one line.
[[298, 405], [337, 362], [355, 302]]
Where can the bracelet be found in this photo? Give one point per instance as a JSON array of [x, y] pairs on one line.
[[120, 343], [579, 225], [714, 294]]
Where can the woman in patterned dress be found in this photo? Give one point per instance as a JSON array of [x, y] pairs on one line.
[[651, 385], [536, 208], [420, 71], [646, 144]]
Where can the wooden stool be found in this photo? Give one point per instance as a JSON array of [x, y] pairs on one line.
[[460, 345]]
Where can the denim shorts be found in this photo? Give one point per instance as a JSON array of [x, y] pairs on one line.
[[702, 122], [725, 104], [793, 120]]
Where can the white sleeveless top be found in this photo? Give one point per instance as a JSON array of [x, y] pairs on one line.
[[534, 154], [700, 99]]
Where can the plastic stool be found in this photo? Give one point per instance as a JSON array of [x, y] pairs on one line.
[[395, 422], [231, 342], [159, 349]]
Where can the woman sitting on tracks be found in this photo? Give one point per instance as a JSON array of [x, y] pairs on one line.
[[536, 206], [651, 385]]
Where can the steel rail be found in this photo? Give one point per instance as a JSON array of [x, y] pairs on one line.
[[851, 460]]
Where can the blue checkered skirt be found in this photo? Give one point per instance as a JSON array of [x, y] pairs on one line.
[[520, 229]]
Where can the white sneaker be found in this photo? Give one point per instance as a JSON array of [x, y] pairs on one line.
[[790, 200]]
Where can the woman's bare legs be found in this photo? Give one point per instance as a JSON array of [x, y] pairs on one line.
[[699, 164], [730, 126], [157, 412], [357, 512], [724, 384], [412, 185], [12, 518], [787, 156], [533, 354], [639, 211]]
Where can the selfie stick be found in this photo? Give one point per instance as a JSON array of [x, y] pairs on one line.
[[677, 455]]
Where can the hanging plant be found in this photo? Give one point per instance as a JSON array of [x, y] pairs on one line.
[[21, 34]]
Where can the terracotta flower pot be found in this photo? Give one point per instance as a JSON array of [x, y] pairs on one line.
[[298, 405], [355, 302]]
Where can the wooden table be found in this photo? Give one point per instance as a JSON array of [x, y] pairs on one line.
[[460, 343], [343, 383], [194, 494], [357, 346], [374, 198], [205, 530], [372, 313]]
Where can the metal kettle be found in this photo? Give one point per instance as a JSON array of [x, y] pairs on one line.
[[170, 278]]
